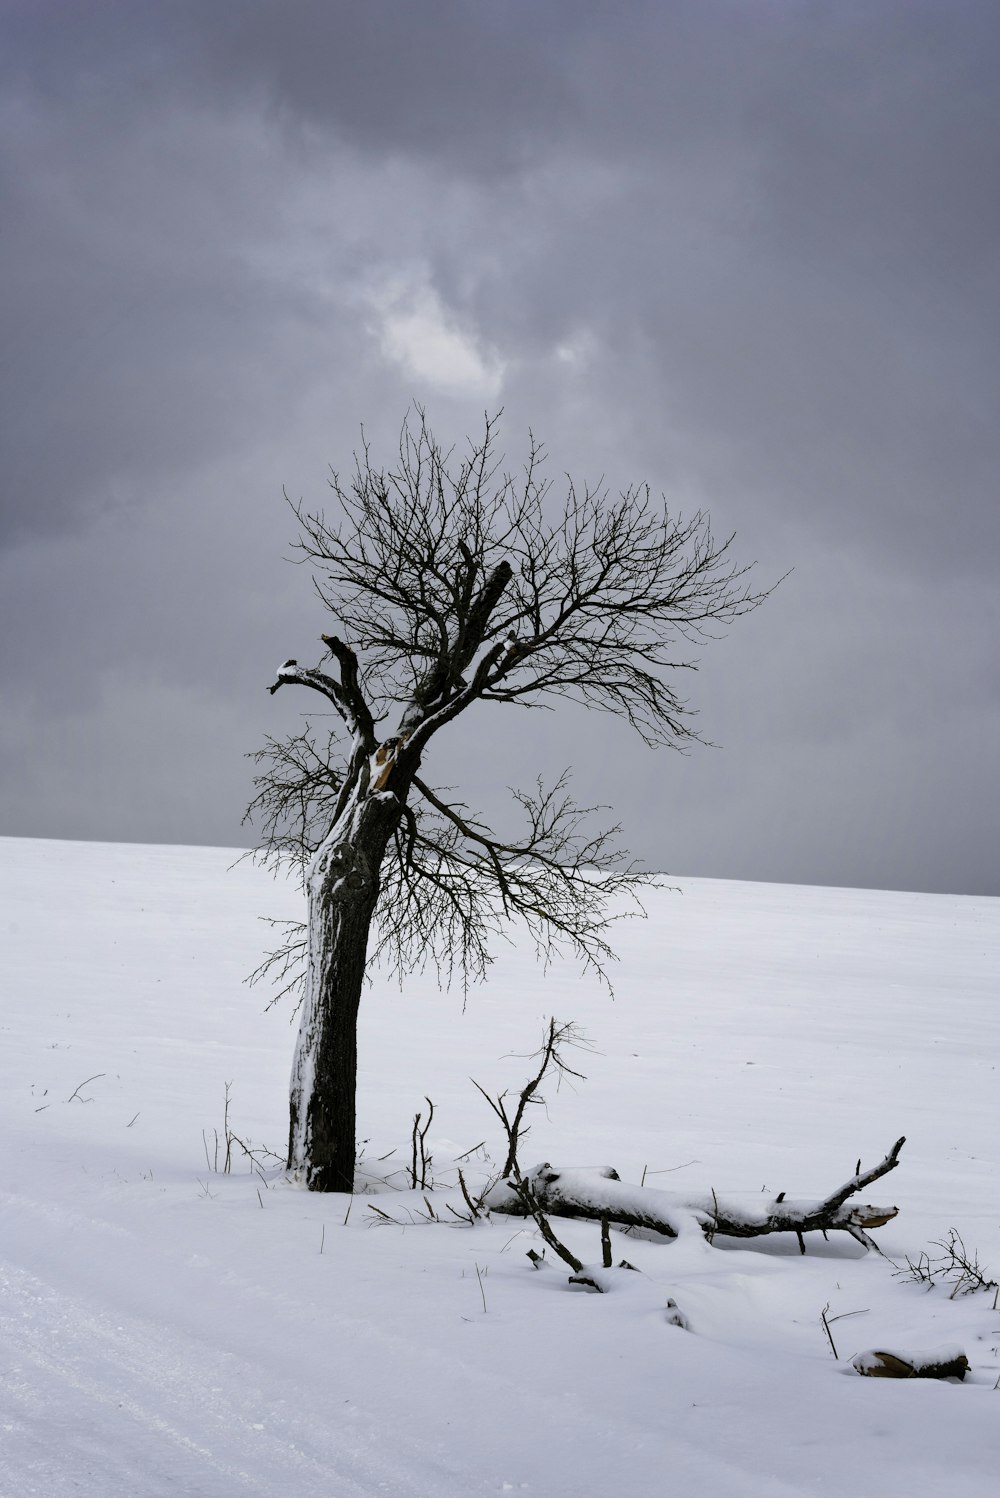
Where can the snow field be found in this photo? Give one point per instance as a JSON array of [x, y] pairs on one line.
[[165, 1328]]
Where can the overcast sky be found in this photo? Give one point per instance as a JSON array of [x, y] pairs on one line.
[[747, 251]]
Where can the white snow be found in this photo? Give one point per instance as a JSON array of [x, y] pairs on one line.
[[168, 1329]]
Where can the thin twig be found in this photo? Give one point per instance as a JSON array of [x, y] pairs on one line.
[[826, 1328], [76, 1091], [420, 1154], [468, 1199]]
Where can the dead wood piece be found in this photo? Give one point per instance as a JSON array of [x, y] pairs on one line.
[[874, 1219], [878, 1363], [587, 1281], [605, 1278], [600, 1195]]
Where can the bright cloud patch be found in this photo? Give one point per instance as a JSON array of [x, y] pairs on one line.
[[417, 332]]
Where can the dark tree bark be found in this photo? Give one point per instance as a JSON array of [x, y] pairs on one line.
[[343, 893], [459, 585]]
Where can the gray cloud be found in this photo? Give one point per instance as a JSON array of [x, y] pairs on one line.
[[749, 252]]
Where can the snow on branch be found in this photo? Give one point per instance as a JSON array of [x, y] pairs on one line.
[[601, 1195], [345, 694]]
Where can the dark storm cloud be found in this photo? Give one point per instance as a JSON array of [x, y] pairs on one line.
[[802, 188], [750, 251], [132, 315], [457, 81]]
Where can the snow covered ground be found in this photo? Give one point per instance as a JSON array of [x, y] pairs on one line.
[[166, 1328]]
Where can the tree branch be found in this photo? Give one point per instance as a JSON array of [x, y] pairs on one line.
[[597, 1195], [445, 684], [350, 686], [349, 703], [451, 884]]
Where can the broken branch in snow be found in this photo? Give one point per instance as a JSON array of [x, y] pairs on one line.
[[528, 1204], [599, 1194], [77, 1090], [947, 1362], [421, 1161]]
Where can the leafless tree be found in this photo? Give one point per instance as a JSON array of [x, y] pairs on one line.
[[456, 583]]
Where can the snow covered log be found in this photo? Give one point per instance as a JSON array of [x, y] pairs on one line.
[[943, 1362], [600, 1194]]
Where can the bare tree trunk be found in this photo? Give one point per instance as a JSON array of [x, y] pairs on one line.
[[343, 888]]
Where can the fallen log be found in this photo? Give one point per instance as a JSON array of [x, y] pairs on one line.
[[599, 1194], [946, 1362]]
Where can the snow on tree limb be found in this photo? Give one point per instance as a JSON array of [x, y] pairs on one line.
[[601, 1194]]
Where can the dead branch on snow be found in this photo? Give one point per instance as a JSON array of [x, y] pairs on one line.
[[600, 1194]]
